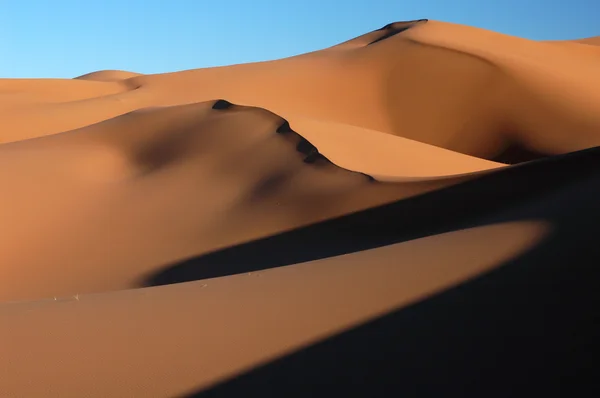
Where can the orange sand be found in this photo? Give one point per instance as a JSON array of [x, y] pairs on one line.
[[269, 189]]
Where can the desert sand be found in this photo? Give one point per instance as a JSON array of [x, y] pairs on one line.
[[413, 212]]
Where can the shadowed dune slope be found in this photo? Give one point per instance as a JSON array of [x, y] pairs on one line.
[[379, 310], [412, 212], [189, 179], [528, 327]]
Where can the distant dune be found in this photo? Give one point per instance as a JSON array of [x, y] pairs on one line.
[[410, 212], [108, 75], [593, 41]]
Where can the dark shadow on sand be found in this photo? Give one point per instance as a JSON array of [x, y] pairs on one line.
[[516, 154], [452, 208], [527, 329]]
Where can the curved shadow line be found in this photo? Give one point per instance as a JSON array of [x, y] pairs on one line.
[[460, 206], [527, 328]]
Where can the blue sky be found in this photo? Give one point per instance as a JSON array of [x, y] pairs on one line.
[[67, 38]]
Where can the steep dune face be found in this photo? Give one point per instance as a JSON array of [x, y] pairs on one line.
[[301, 198], [557, 88]]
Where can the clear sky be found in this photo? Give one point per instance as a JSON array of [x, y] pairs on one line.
[[67, 38]]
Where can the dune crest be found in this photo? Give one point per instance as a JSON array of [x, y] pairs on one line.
[[432, 82], [145, 171], [592, 41], [108, 75]]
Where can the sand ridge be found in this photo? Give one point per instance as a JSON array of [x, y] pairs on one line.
[[108, 75], [592, 41], [167, 233], [253, 174]]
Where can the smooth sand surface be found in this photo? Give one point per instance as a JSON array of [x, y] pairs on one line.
[[592, 41], [329, 219], [108, 75]]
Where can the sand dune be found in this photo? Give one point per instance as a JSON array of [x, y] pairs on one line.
[[592, 41], [108, 75], [192, 177], [253, 228], [304, 290]]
